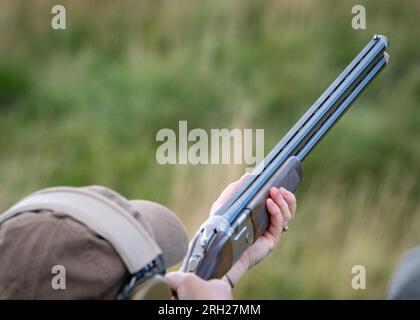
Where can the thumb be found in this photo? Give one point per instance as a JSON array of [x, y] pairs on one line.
[[224, 196], [174, 279]]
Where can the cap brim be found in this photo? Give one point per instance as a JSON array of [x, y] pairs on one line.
[[168, 231]]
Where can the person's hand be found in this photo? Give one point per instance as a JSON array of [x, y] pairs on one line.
[[188, 286], [281, 206]]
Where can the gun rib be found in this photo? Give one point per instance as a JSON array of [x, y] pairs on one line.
[[334, 117], [319, 102], [316, 122]]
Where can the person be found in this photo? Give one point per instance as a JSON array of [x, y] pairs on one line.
[[281, 205], [38, 240], [54, 229], [405, 283]]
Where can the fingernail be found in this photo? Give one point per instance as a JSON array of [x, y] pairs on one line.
[[285, 192], [274, 190]]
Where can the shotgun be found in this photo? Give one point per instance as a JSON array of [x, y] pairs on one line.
[[223, 237]]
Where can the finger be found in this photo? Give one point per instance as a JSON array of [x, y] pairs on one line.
[[174, 279], [276, 222], [276, 218], [290, 199], [282, 204]]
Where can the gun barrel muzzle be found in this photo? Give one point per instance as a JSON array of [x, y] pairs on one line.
[[316, 122]]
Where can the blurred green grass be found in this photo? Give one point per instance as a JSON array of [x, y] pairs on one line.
[[82, 106]]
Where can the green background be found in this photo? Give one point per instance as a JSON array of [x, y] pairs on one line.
[[83, 105]]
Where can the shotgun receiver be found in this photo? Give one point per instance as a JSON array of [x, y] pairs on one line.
[[222, 239]]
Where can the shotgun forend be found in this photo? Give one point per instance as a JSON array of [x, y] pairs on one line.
[[222, 239]]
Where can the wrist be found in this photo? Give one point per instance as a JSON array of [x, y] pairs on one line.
[[239, 268], [229, 280]]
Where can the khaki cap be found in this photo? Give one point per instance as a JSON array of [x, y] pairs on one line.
[[32, 243]]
